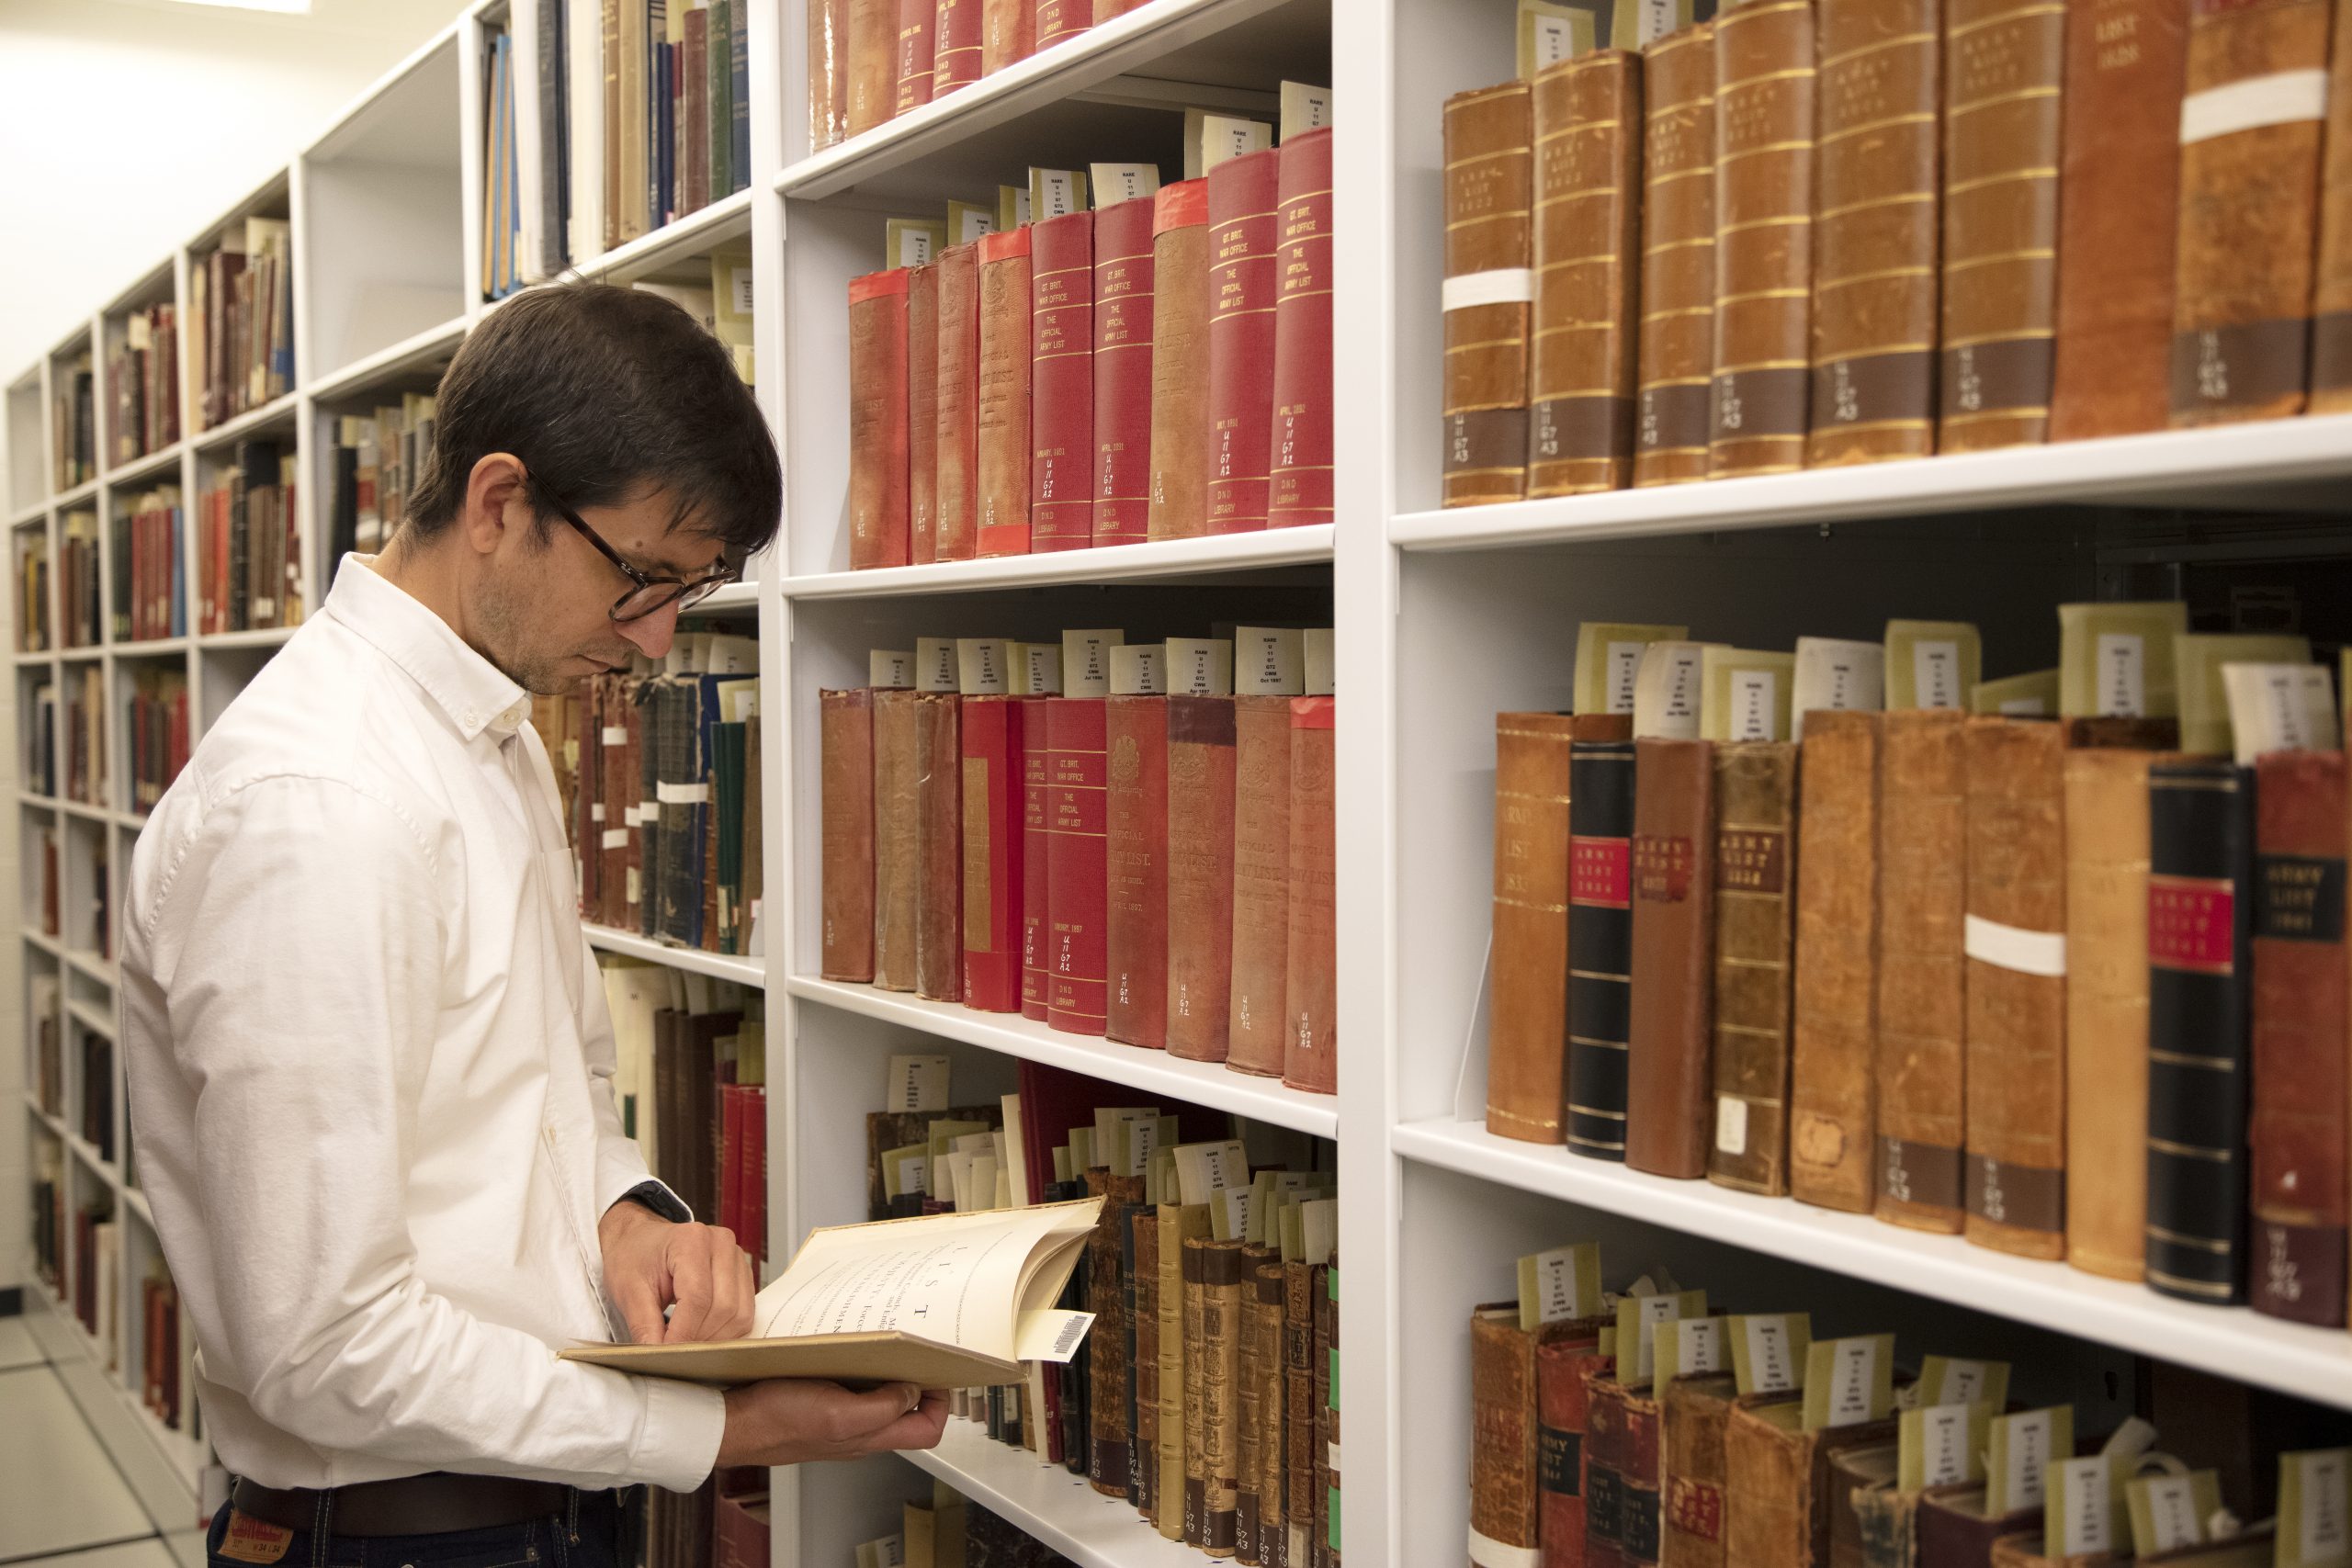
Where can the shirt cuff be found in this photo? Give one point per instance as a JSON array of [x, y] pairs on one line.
[[661, 1200], [678, 1443]]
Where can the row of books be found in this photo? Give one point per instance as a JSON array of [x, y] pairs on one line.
[[32, 591], [43, 991], [1157, 368], [85, 734], [49, 1227], [73, 423], [949, 1530], [378, 460], [1803, 924], [158, 733], [149, 567], [78, 602], [241, 319], [871, 61], [1853, 230], [143, 383], [249, 542], [1160, 873]]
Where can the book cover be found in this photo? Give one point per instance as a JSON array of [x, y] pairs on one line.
[[955, 399], [1564, 1371], [1201, 733], [1832, 1139], [1059, 19], [1696, 1410], [1756, 844], [1764, 119], [1674, 366], [1527, 1021], [1261, 960], [1137, 930], [1507, 1429], [1601, 944], [916, 54], [1061, 478], [1076, 868], [955, 45], [1300, 444], [1125, 302], [1922, 993], [2332, 286], [872, 35], [1311, 1007], [1670, 1026], [846, 742], [1003, 401], [1582, 357], [994, 800], [878, 523], [1489, 175], [1178, 507], [1243, 196]]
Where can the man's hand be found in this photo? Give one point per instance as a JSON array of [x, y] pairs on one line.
[[792, 1421], [696, 1272]]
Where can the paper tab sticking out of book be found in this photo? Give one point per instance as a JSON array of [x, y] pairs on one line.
[[1837, 676], [1116, 183], [917, 1083], [935, 664], [1768, 1353], [1304, 109], [1931, 664], [914, 242], [2031, 695], [1036, 670], [968, 220], [1269, 661], [1051, 1334], [983, 666], [1745, 694], [2115, 659], [1056, 192], [2019, 1450], [2280, 708], [888, 669], [1609, 659], [2204, 696], [1667, 691], [1086, 662], [1200, 666], [1011, 207], [1322, 662], [1139, 669], [1558, 1285], [1550, 34], [1210, 139]]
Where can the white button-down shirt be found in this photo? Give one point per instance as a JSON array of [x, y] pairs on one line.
[[370, 1071]]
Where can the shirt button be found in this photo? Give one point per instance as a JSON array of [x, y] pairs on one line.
[[471, 718]]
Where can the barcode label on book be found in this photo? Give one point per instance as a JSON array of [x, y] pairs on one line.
[[1050, 1334]]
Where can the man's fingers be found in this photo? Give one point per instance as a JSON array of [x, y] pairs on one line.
[[918, 1429], [732, 1313], [640, 1308], [690, 1292]]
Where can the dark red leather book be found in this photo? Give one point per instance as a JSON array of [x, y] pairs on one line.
[[955, 506], [1059, 19], [1311, 1036], [923, 413], [1062, 471], [955, 46], [916, 52], [939, 848], [1199, 875], [1036, 898], [1256, 1006], [1137, 730], [878, 419], [1242, 196], [994, 852], [1003, 399], [1077, 806], [846, 748], [1123, 323], [1300, 460], [1564, 1375]]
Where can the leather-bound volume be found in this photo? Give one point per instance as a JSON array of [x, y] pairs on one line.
[[2002, 80], [1489, 200], [1258, 1390], [1506, 1430], [897, 848], [1143, 1448], [1108, 1424], [1582, 343], [1061, 475], [1327, 1417], [828, 87], [939, 848], [1675, 367], [878, 533], [1008, 33], [1243, 195], [1601, 944], [873, 63], [1300, 1292], [1299, 459], [1764, 125], [1696, 1412], [1755, 851], [1077, 806], [1604, 1479], [1179, 1369], [923, 414], [1180, 362], [1200, 874], [1036, 839], [2332, 286], [1311, 988], [2300, 1037], [1260, 967], [1955, 1530], [1669, 1088], [1273, 1505], [1564, 1371], [1003, 403], [1920, 1048], [955, 46], [993, 852], [1527, 1006], [1639, 1458], [2119, 186], [917, 53], [1880, 85], [624, 840], [1137, 941], [1832, 1123], [1779, 1491], [1059, 19], [845, 743], [1124, 305], [1220, 1404], [955, 399]]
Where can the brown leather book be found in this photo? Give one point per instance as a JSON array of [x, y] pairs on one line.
[[2002, 77], [1875, 231], [1200, 874], [1260, 967], [1137, 935], [1878, 1525], [1106, 1342], [1956, 1532], [1003, 417], [1008, 33], [828, 81], [1180, 362], [1756, 852], [1220, 1409], [1832, 1125], [2117, 184], [896, 850], [1506, 1435], [878, 419], [1143, 1454], [1177, 1393], [1676, 362], [2332, 287], [1300, 1292], [1778, 1493], [1604, 1516], [2249, 209], [873, 63], [1635, 1413], [1922, 961], [1564, 1374], [1697, 1411], [1264, 1538], [1582, 346], [846, 744], [1311, 990], [939, 848], [1669, 1095], [1196, 1491], [954, 444], [923, 414], [1764, 131], [1489, 197]]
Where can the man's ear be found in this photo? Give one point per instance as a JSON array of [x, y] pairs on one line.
[[496, 499]]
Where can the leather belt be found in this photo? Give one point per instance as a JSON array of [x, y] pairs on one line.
[[434, 1504]]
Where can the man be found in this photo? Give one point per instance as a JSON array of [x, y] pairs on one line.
[[369, 1058]]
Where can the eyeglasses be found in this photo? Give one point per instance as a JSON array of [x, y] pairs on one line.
[[647, 595]]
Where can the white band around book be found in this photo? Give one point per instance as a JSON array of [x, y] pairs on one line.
[[616, 735], [616, 838], [1488, 1552], [684, 795], [2283, 97], [2013, 947], [1504, 286]]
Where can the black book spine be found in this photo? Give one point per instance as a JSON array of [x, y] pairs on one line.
[[1078, 1433], [2200, 857], [1601, 944]]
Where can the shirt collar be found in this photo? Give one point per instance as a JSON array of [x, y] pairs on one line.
[[474, 693]]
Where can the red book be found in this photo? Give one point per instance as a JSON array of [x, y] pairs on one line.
[[1310, 1050], [1035, 897], [1055, 1100], [1059, 19], [939, 848], [1199, 875], [1242, 194], [955, 46], [1122, 315], [741, 1528], [1076, 866], [878, 419], [1136, 730], [1061, 473], [1004, 403], [1301, 461], [923, 414], [955, 395], [1563, 1370], [916, 52], [994, 850], [758, 1117], [730, 1163]]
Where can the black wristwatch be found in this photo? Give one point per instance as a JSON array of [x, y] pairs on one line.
[[661, 1200]]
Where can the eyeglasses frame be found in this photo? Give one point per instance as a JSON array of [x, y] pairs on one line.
[[688, 594]]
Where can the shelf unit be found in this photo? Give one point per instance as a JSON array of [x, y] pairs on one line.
[[1442, 619]]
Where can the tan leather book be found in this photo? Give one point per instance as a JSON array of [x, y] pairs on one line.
[[1000, 444], [1199, 875], [1143, 1454], [1176, 1223], [2002, 84], [1832, 1126], [1675, 367], [1875, 231], [1107, 1432], [1777, 1491], [1697, 1412], [1180, 362], [923, 413], [1261, 968], [2332, 287], [897, 849], [1506, 1436], [956, 467], [2249, 209], [845, 745], [939, 848], [1272, 1533], [1008, 33], [1669, 1093], [2118, 189], [873, 63], [1196, 1434], [1582, 345], [1755, 856], [1220, 1407], [1489, 197], [828, 83], [1303, 1286], [1922, 996], [1764, 131]]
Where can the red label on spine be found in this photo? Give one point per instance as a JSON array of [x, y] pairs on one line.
[[1242, 196], [1076, 822], [1661, 868], [2191, 923], [1061, 472], [1122, 318], [1599, 872], [1301, 441]]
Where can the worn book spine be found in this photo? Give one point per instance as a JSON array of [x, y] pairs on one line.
[[1109, 1427], [846, 742], [1036, 930], [955, 457], [1003, 401], [1587, 119], [1327, 1415], [873, 63], [1490, 201], [1179, 1396], [916, 54], [1273, 1437], [1061, 474], [1832, 1136], [1200, 874], [1755, 849], [1506, 1441], [1220, 1408], [1676, 362], [1124, 305], [1311, 985], [879, 529], [993, 845], [1778, 1493], [1249, 1460], [1197, 1487], [1922, 968], [1639, 1453], [1143, 1449], [1179, 491], [1764, 128], [2003, 77], [1059, 19], [828, 93], [1077, 810], [1299, 445], [1563, 1372], [923, 413], [1669, 1087], [2332, 283], [1008, 33], [1696, 1410], [897, 906], [1601, 944], [939, 848], [955, 46], [1878, 1526], [1136, 936], [2118, 188], [1604, 1472], [1261, 964], [1955, 1530], [1299, 1430], [2249, 209], [1874, 232], [1243, 196], [1527, 1019]]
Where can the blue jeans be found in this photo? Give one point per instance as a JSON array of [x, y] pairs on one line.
[[595, 1533]]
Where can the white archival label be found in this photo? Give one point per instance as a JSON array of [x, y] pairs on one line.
[[1853, 1368], [2028, 1459], [2087, 1526], [1624, 659], [1556, 1285], [2122, 691], [918, 1083], [1943, 1444], [1935, 674], [1731, 1124], [2172, 1512], [2320, 1529], [1772, 1368], [1752, 708], [1702, 1346]]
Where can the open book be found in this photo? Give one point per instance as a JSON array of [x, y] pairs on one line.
[[944, 1301]]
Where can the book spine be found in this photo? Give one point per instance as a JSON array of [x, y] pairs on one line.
[[956, 393], [1489, 198], [1832, 1140], [1764, 121], [955, 46], [1200, 874], [1076, 867], [1143, 1451], [1669, 1088], [1327, 1417], [847, 744], [1527, 1021], [828, 88], [1273, 1398], [1197, 1487], [2332, 285], [1132, 1449], [896, 850], [1922, 992], [1059, 19], [1311, 991], [916, 54], [872, 31], [1260, 961], [1249, 1433], [1676, 358], [1107, 1422], [878, 523], [1504, 1446], [1601, 944], [1175, 1395], [1124, 305], [923, 414], [992, 804], [1561, 1376], [1008, 33], [1004, 401], [1037, 929], [1243, 195], [1587, 115], [1755, 878], [1299, 1412], [1179, 354], [1691, 1473], [1061, 477], [1300, 445], [1604, 1507], [693, 71], [1639, 1454], [1136, 729]]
